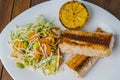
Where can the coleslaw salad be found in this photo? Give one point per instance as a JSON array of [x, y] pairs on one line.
[[36, 45]]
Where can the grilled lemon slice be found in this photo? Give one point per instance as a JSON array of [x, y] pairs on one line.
[[73, 15]]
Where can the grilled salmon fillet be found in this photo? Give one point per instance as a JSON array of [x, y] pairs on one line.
[[86, 43], [81, 64]]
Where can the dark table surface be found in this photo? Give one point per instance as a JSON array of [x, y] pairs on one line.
[[11, 8]]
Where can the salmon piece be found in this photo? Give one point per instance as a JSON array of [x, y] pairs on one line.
[[81, 64], [86, 43]]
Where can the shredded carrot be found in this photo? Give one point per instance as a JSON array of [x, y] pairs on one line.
[[39, 50], [37, 56], [52, 40], [18, 44], [33, 35], [50, 35], [43, 40], [21, 44]]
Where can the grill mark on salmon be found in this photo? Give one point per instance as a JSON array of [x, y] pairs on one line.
[[90, 38]]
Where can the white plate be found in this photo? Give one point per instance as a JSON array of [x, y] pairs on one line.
[[106, 69]]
